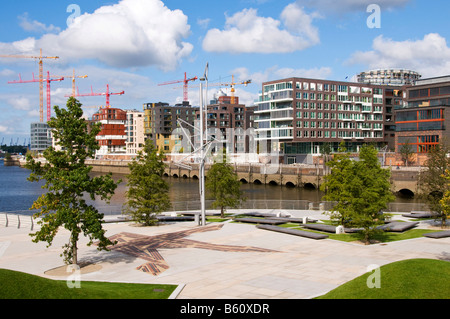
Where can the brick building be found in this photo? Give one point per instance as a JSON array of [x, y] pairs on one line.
[[300, 115]]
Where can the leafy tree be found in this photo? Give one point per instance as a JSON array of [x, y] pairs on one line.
[[67, 181], [445, 201], [406, 153], [361, 189], [432, 180], [223, 185], [148, 192]]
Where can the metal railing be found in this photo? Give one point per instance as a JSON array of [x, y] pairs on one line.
[[16, 219]]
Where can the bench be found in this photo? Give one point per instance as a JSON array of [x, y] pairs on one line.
[[419, 215], [293, 220], [439, 234], [398, 226], [321, 227], [175, 218], [256, 214], [259, 221], [296, 232]]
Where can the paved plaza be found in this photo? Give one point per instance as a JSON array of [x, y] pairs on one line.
[[217, 261]]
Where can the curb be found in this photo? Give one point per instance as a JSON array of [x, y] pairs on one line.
[[177, 291]]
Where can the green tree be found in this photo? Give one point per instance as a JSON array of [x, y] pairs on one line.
[[223, 186], [68, 182], [148, 192], [406, 153], [432, 180], [361, 190], [445, 201]]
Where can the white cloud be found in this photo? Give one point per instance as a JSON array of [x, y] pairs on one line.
[[246, 32], [344, 6], [35, 26], [20, 103], [203, 22], [429, 56], [131, 33], [3, 129]]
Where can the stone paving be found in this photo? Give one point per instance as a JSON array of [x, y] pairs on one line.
[[272, 265]]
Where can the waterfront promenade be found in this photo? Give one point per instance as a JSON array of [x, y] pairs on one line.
[[205, 265]]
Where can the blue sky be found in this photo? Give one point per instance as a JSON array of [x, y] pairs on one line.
[[133, 45]]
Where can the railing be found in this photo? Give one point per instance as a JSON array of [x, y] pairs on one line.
[[17, 219]]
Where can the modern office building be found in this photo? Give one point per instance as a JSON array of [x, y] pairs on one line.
[[40, 138], [422, 121], [161, 119], [298, 116], [112, 137], [394, 77]]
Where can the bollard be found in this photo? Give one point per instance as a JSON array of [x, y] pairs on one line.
[[197, 219], [340, 230]]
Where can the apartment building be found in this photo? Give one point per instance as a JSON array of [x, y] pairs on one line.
[[112, 137], [134, 130], [423, 120], [299, 115], [161, 119]]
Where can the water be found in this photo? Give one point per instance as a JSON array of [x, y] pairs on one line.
[[17, 194]]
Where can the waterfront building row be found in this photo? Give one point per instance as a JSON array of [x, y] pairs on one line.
[[294, 116]]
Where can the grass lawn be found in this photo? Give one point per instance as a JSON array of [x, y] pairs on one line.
[[18, 285], [407, 279]]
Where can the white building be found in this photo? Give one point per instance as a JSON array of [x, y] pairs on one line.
[[134, 129]]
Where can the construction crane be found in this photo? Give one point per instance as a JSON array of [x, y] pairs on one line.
[[231, 84], [185, 85], [48, 80], [41, 76], [73, 77], [107, 94]]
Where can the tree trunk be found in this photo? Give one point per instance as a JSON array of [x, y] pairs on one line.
[[74, 252], [222, 215]]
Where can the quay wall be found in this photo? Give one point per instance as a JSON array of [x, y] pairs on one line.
[[309, 176]]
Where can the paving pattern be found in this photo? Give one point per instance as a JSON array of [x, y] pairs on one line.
[[146, 247]]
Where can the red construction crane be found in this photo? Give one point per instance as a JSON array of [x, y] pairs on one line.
[[107, 94], [185, 85], [48, 80], [41, 76]]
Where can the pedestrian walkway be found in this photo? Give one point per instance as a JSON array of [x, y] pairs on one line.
[[230, 261]]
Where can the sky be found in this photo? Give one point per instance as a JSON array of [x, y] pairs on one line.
[[136, 45]]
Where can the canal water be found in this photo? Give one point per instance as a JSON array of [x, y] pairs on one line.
[[17, 195]]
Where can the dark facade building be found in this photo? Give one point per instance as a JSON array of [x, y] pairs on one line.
[[161, 119], [422, 121]]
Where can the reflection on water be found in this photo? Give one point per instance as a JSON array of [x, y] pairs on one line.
[[18, 194]]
